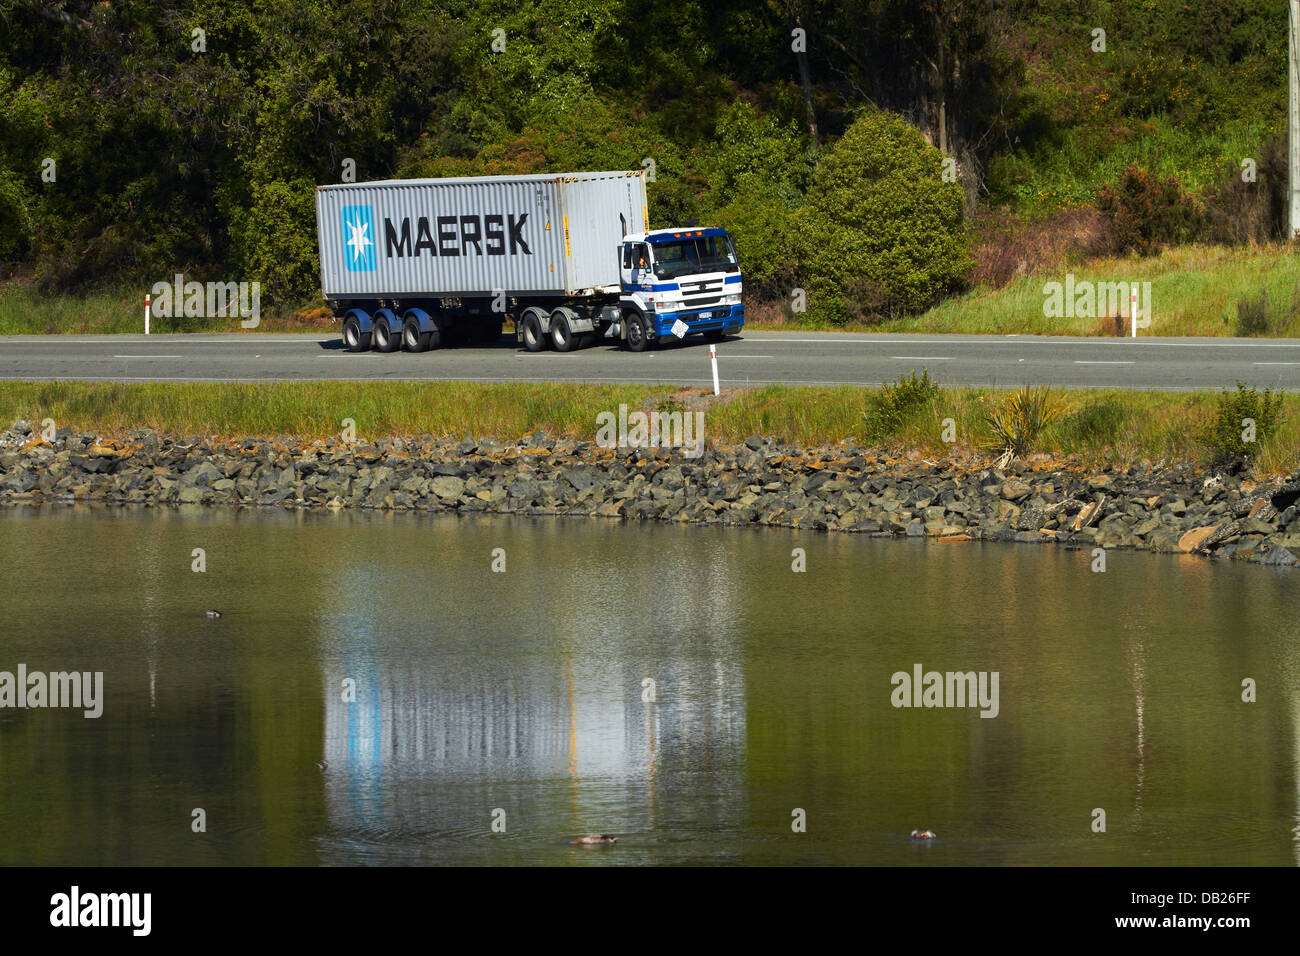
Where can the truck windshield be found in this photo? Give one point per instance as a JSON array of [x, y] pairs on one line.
[[698, 254]]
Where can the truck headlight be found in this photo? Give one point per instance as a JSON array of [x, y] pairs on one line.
[[662, 306], [731, 300]]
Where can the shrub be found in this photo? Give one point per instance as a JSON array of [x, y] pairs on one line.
[[275, 240], [1147, 211], [1010, 246], [15, 215], [894, 406], [1239, 212], [1097, 423], [879, 215], [1023, 415], [758, 218], [1257, 316], [1227, 435]]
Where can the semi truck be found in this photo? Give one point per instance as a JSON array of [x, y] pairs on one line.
[[570, 258]]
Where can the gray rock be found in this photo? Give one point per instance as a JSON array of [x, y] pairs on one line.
[[1277, 556], [447, 486]]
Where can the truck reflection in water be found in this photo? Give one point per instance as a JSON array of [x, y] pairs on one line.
[[587, 710]]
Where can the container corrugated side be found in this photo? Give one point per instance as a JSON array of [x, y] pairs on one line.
[[592, 207], [425, 237], [461, 237]]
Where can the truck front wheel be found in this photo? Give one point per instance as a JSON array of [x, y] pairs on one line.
[[354, 340], [638, 336]]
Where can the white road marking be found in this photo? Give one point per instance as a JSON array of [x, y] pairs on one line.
[[148, 356], [1091, 362], [1045, 340], [1275, 363], [924, 358]]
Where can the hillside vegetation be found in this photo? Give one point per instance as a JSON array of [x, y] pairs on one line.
[[890, 160]]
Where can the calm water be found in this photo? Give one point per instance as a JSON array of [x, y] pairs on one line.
[[523, 691]]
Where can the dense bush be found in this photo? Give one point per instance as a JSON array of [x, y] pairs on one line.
[[881, 233], [275, 238], [1008, 246], [1241, 210], [1258, 316], [899, 404], [1227, 435], [1147, 211], [758, 172]]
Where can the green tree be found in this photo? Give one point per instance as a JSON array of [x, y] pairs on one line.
[[881, 233]]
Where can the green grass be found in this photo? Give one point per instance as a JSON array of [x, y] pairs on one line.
[[317, 409], [24, 311], [1098, 427], [1194, 290]]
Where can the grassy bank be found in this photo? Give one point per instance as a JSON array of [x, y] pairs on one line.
[[1195, 290], [24, 311], [1097, 426]]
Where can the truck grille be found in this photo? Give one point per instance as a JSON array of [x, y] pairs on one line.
[[699, 295]]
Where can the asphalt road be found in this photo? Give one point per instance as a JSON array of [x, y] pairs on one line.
[[756, 358]]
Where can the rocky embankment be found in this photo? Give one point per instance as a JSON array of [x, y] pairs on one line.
[[760, 482]]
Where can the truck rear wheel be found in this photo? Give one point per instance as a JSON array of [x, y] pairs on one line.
[[534, 340], [354, 340], [417, 341], [385, 339], [637, 336], [562, 336]]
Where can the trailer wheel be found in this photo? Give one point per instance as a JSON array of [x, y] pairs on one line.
[[562, 336], [385, 339], [534, 340], [638, 336], [354, 340], [417, 341]]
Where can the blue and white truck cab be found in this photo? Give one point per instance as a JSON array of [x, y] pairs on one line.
[[677, 282]]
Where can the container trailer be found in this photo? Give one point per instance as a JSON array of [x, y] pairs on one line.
[[569, 258]]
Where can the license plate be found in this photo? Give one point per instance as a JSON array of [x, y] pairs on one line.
[[706, 315]]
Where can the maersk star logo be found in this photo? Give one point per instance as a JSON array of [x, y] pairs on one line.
[[358, 239]]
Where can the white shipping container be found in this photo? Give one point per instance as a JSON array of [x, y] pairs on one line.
[[550, 234]]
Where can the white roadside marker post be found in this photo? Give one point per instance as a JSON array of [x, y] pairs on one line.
[[146, 313], [1133, 309], [713, 357]]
